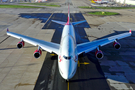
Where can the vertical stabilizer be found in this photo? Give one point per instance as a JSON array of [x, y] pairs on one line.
[[68, 21]]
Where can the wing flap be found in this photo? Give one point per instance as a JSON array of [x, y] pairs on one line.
[[48, 46], [120, 36], [89, 46]]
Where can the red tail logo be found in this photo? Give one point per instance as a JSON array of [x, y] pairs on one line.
[[68, 20]]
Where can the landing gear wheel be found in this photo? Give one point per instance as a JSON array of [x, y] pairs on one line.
[[67, 80]]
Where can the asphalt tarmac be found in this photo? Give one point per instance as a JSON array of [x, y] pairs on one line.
[[19, 70], [87, 77]]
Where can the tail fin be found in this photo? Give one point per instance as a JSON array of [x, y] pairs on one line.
[[68, 21], [73, 23]]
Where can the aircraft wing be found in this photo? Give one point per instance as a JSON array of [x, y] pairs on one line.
[[48, 46], [59, 22], [79, 22], [89, 46]]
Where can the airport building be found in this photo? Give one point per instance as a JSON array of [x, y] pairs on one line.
[[129, 2], [132, 2]]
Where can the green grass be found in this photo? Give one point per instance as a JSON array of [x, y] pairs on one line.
[[103, 13], [87, 7], [43, 4], [116, 7], [17, 6]]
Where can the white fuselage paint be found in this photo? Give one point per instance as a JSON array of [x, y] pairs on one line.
[[68, 58]]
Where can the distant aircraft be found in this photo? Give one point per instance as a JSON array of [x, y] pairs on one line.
[[40, 1], [68, 51], [101, 2]]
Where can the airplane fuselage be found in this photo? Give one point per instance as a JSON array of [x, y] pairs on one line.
[[68, 57]]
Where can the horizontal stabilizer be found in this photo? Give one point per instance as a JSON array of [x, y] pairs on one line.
[[79, 22], [59, 22]]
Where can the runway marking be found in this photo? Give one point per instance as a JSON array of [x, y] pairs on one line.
[[49, 18], [85, 63], [68, 86], [42, 82], [51, 78], [70, 19], [38, 9], [52, 54]]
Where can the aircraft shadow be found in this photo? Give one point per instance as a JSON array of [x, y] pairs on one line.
[[114, 56], [81, 80]]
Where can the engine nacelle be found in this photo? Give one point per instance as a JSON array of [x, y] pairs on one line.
[[116, 45], [99, 54], [20, 44], [37, 53]]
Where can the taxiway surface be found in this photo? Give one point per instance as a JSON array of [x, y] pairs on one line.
[[87, 76], [19, 70]]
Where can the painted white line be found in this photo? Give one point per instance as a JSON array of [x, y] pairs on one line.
[[51, 79], [49, 18]]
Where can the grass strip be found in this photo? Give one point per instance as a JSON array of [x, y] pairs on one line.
[[103, 13], [42, 4], [87, 7], [17, 6]]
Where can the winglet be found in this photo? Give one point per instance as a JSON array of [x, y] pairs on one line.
[[130, 31], [7, 30]]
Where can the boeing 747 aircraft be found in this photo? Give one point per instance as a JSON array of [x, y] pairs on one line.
[[68, 50]]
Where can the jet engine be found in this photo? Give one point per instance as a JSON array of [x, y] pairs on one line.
[[99, 54], [37, 53], [20, 44], [116, 45]]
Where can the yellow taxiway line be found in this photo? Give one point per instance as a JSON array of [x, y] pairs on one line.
[[68, 86], [52, 54], [85, 63]]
